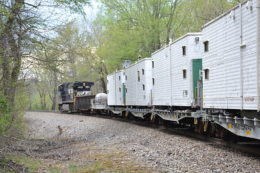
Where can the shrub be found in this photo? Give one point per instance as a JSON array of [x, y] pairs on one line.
[[5, 114]]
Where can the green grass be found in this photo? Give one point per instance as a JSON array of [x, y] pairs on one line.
[[31, 164], [91, 160], [114, 161], [55, 170], [2, 163]]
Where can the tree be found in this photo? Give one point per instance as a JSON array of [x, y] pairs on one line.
[[67, 57], [138, 28], [20, 25]]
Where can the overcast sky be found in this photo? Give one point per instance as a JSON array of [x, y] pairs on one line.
[[92, 10], [56, 16]]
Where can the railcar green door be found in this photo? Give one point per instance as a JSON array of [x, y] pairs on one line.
[[196, 68], [124, 94]]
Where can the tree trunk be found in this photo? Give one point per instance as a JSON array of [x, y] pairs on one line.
[[5, 64], [104, 73], [10, 45], [55, 83], [170, 20]]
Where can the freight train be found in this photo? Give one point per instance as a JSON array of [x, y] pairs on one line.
[[208, 80]]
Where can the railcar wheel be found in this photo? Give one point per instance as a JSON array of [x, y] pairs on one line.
[[110, 113], [125, 115], [211, 129], [154, 119], [223, 134], [199, 127]]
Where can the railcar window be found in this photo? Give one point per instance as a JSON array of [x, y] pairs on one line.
[[206, 72], [138, 74], [185, 93], [119, 89], [143, 71], [152, 64], [143, 87], [206, 46], [183, 50], [119, 77], [153, 81], [184, 74], [125, 77], [126, 90]]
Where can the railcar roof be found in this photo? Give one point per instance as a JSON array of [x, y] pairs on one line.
[[224, 14], [136, 62], [178, 39]]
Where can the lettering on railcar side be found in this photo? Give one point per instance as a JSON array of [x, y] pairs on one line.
[[249, 99]]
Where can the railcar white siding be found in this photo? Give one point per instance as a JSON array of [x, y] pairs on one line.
[[161, 92], [144, 87], [170, 87], [182, 88], [115, 88], [111, 84], [139, 91], [131, 80], [120, 80], [229, 86]]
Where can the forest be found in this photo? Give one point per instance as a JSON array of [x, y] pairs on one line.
[[44, 43]]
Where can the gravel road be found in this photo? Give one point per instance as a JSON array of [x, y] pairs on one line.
[[152, 147]]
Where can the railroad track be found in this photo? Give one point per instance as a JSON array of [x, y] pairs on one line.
[[251, 148]]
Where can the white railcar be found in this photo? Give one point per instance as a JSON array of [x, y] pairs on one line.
[[115, 88], [161, 65], [186, 64], [120, 88], [130, 80], [138, 79], [111, 84], [228, 64], [231, 61], [174, 74]]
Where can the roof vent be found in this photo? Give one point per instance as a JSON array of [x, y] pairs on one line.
[[249, 5], [197, 39], [127, 63], [232, 15]]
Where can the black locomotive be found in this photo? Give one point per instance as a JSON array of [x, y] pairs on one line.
[[75, 96]]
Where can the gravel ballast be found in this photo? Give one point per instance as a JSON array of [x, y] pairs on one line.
[[150, 146]]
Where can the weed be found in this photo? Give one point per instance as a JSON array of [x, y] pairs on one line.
[[31, 164]]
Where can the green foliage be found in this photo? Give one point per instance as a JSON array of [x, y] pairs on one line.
[[5, 114], [11, 118], [21, 29], [36, 103], [31, 164], [20, 163], [74, 5], [67, 57], [138, 28], [21, 100]]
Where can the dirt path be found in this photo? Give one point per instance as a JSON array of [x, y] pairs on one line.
[[76, 143]]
